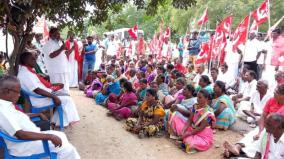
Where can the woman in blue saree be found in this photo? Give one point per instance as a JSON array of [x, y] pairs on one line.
[[223, 107]]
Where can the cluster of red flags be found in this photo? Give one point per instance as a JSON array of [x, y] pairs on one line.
[[215, 47], [217, 43]]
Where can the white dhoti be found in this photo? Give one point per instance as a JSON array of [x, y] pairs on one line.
[[70, 113], [60, 78], [250, 144], [73, 71], [243, 105], [66, 151], [234, 69]]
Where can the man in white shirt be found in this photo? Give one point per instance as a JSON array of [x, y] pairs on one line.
[[56, 60], [73, 58], [232, 59], [112, 48], [250, 88], [32, 83], [250, 52], [271, 142], [262, 55], [200, 70], [17, 124], [253, 108], [269, 146], [226, 76]]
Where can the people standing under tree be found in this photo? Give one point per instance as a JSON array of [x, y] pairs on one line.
[[89, 57], [112, 48], [56, 60], [73, 58]]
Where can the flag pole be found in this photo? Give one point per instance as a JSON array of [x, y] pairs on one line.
[[210, 62], [273, 27], [269, 22], [246, 43]]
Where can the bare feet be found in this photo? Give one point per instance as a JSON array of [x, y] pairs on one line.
[[229, 148]]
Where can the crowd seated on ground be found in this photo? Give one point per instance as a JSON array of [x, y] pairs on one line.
[[155, 98], [158, 99]]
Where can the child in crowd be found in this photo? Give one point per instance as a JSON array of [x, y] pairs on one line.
[[94, 88]]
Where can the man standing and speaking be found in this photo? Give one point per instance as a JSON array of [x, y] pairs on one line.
[[56, 60]]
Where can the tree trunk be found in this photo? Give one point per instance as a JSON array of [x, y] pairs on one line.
[[12, 68]]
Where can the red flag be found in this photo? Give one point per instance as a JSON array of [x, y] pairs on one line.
[[133, 32], [254, 27], [218, 42], [278, 51], [226, 25], [204, 18], [261, 14], [240, 35], [203, 55]]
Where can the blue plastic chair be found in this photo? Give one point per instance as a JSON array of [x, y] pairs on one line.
[[27, 95], [45, 154]]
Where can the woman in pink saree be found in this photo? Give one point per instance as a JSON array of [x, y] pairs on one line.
[[122, 108], [195, 132]]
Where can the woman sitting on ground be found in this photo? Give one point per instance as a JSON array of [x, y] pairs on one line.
[[182, 109], [110, 89], [196, 132], [223, 107], [150, 73], [141, 92], [177, 92], [186, 104], [121, 108], [150, 120], [204, 83], [163, 90]]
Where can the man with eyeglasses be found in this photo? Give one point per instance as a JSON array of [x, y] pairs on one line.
[[17, 124]]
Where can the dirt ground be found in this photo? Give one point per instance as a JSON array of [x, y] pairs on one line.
[[97, 136]]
